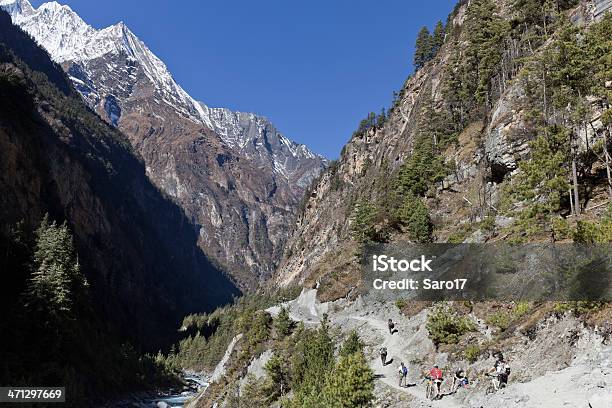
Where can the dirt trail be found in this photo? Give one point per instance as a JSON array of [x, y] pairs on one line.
[[586, 381], [220, 368], [389, 374], [404, 345]]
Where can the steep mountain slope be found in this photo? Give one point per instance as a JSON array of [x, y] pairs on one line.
[[454, 141], [136, 247], [237, 178]]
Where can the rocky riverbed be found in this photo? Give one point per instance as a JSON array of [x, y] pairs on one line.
[[172, 398]]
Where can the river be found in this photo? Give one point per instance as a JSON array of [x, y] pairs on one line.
[[195, 382]]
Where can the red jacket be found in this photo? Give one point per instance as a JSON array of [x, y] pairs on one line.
[[435, 374]]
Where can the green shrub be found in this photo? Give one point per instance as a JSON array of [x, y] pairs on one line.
[[446, 327], [600, 232], [460, 234], [413, 216], [500, 319], [578, 307], [472, 352], [521, 309], [362, 226]]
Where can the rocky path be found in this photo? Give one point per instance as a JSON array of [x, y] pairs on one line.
[[388, 374], [586, 382], [372, 328]]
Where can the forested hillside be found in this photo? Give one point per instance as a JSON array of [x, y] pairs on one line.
[[98, 265], [500, 134]]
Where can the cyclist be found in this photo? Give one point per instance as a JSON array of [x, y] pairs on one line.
[[459, 380], [499, 372], [435, 375]]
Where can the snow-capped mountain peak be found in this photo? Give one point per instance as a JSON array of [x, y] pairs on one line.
[[68, 39], [107, 66], [234, 175]]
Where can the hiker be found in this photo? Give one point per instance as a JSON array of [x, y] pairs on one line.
[[436, 376], [391, 326], [459, 380], [500, 372], [383, 355], [403, 374]]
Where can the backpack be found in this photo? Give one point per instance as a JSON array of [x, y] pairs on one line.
[[405, 370], [507, 369]]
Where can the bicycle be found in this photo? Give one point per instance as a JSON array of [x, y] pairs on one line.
[[497, 383], [432, 390], [458, 383]]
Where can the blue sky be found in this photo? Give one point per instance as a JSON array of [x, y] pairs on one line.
[[315, 68]]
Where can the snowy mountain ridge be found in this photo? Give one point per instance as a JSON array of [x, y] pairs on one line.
[[69, 39], [234, 174], [257, 138]]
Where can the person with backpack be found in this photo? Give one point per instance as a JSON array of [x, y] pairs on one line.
[[383, 355], [500, 372], [403, 375], [391, 326], [436, 376], [459, 380]]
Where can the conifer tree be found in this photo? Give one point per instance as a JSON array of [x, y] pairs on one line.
[[542, 180], [599, 46], [483, 55], [362, 226], [283, 323], [351, 384], [56, 280], [414, 217], [352, 344], [423, 48], [278, 377], [314, 358], [437, 38], [253, 394]]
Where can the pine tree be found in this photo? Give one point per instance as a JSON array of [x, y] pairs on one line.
[[362, 226], [253, 394], [283, 325], [543, 179], [381, 118], [56, 280], [423, 168], [599, 46], [414, 217], [351, 345], [423, 48], [278, 378], [487, 31], [351, 384], [313, 359], [437, 38]]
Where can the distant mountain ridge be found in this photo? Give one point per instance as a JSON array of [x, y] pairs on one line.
[[238, 179], [68, 38]]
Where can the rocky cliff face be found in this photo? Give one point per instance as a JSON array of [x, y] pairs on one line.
[[483, 158], [137, 248], [237, 178]]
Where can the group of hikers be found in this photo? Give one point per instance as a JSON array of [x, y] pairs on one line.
[[499, 373]]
